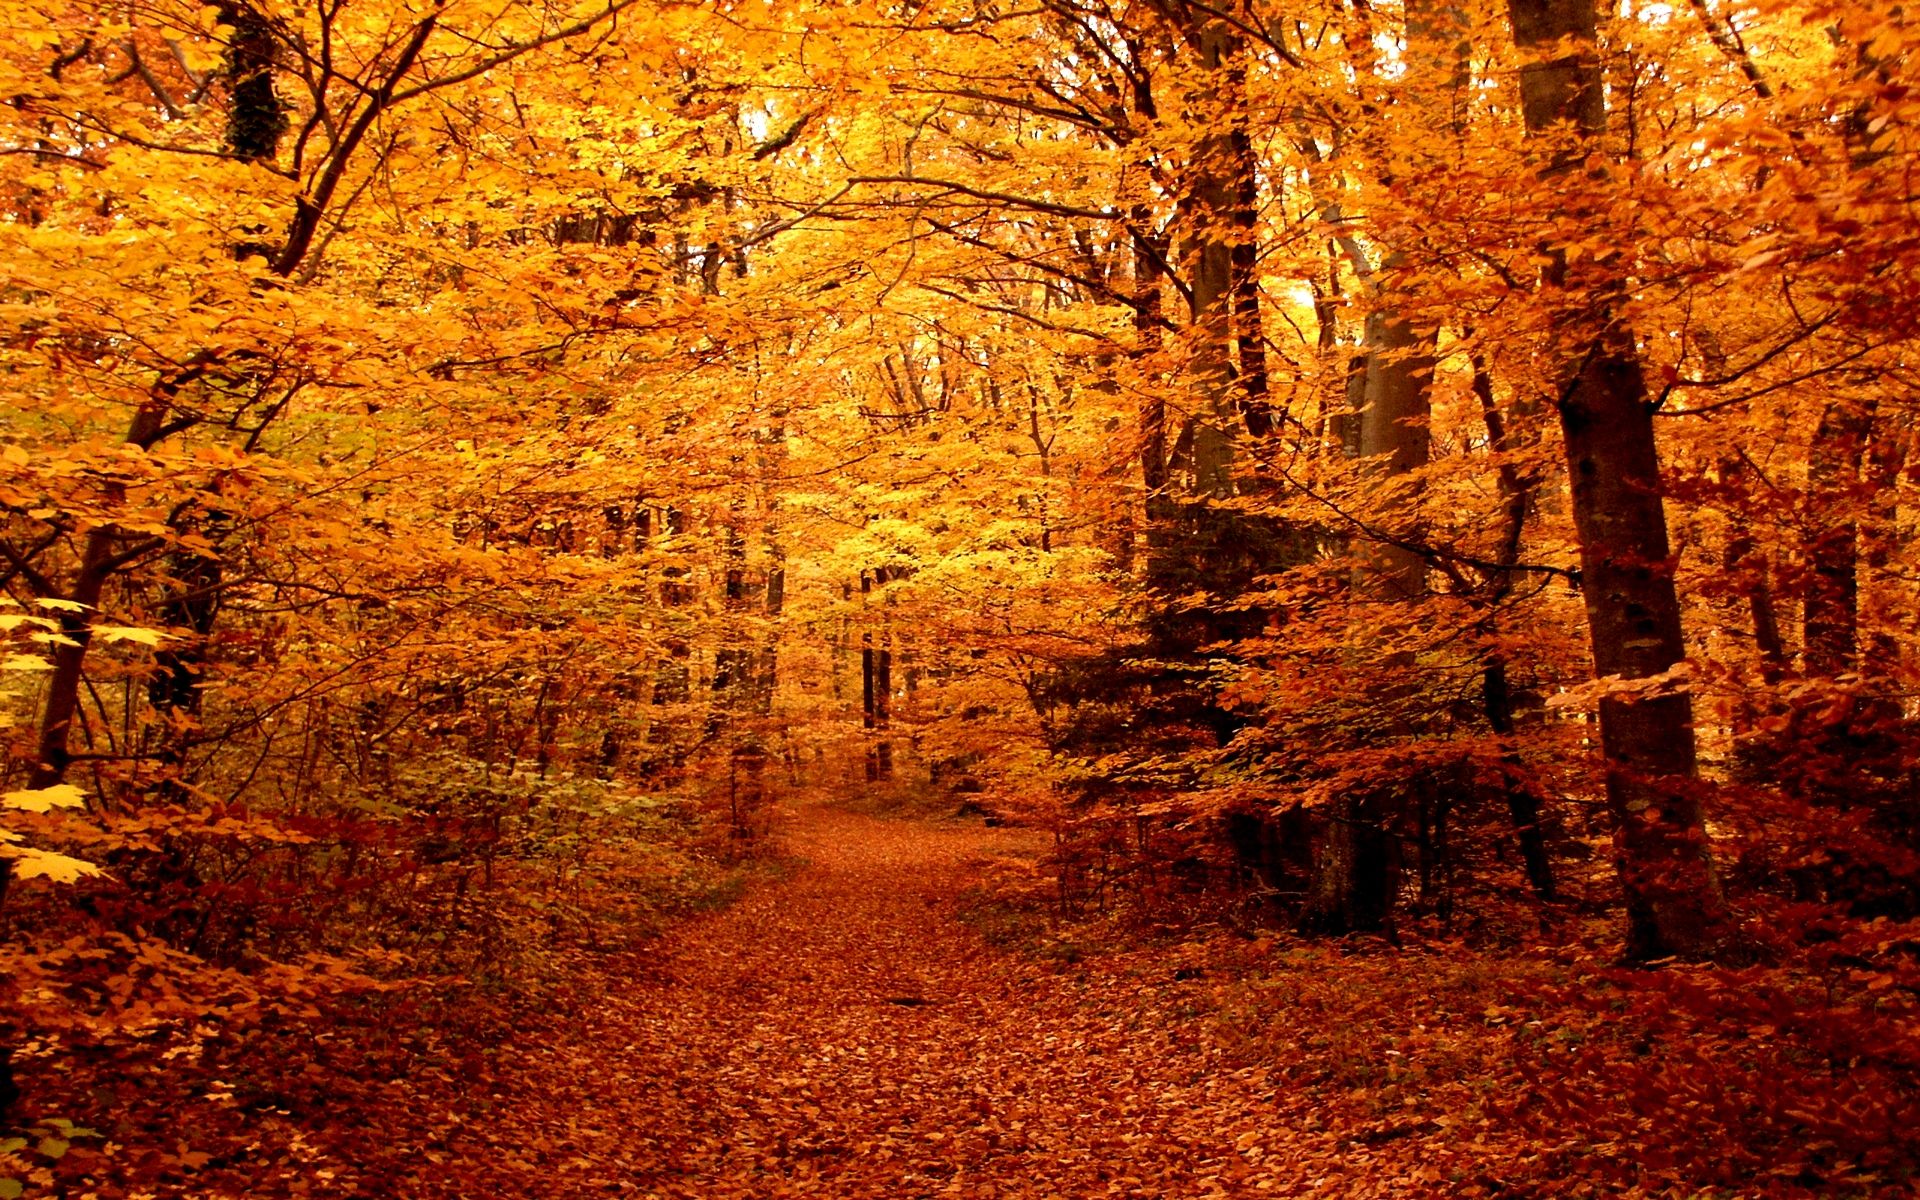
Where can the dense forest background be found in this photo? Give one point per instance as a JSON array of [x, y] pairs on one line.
[[1402, 472]]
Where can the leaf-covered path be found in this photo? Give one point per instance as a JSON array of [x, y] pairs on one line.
[[842, 1033]]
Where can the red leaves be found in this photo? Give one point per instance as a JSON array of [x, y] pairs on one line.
[[769, 1051]]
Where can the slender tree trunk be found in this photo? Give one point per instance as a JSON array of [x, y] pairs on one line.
[[1756, 751], [1748, 565], [1146, 325], [52, 750], [876, 687], [869, 719], [1889, 543], [1831, 616], [1148, 260], [883, 706], [1516, 492], [1523, 804], [673, 678]]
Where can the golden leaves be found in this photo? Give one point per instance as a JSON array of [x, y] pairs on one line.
[[129, 633], [39, 800], [29, 863]]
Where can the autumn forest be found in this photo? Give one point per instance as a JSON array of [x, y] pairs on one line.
[[962, 598]]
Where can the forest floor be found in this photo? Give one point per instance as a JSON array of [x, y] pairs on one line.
[[845, 1033], [887, 1016]]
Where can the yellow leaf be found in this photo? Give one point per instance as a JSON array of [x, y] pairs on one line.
[[57, 867], [129, 633], [60, 795], [24, 662]]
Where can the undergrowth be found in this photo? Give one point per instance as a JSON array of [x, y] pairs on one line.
[[1551, 1071], [224, 1066]]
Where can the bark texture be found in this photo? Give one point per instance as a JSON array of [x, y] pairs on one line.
[[1674, 904]]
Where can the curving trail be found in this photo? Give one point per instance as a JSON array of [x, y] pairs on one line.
[[841, 1034]]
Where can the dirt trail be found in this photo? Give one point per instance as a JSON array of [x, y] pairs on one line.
[[840, 1033]]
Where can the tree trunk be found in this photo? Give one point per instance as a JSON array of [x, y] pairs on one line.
[[876, 687], [1353, 884], [1831, 617], [868, 716], [1249, 330], [256, 123], [1396, 402], [883, 707], [1351, 888], [1523, 804], [52, 753], [1633, 614], [1674, 904], [176, 689], [1516, 493], [1390, 394], [1207, 215]]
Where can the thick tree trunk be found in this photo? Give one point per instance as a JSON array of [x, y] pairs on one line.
[[1207, 214], [1389, 394], [1633, 614], [1332, 891], [1674, 905], [1249, 328], [1354, 876], [256, 116], [1352, 884], [1194, 544]]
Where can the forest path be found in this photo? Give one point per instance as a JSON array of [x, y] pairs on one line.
[[780, 1052]]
